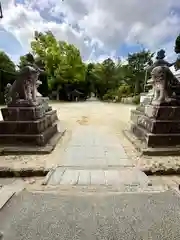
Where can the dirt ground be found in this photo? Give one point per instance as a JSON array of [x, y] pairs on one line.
[[113, 116]]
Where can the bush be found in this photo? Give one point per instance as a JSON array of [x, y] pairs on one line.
[[110, 95], [124, 91]]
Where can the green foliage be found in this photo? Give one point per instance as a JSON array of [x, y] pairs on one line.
[[6, 64], [124, 91], [66, 71], [7, 73], [177, 45], [110, 95], [105, 77], [62, 61], [112, 80], [137, 63]]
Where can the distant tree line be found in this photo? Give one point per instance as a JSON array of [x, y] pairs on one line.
[[65, 71]]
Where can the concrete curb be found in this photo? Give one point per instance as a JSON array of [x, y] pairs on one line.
[[28, 172]]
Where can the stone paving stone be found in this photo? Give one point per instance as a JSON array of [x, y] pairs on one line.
[[91, 146], [84, 177], [5, 195], [117, 162], [55, 178], [112, 177], [134, 177], [97, 177], [70, 177], [6, 181]]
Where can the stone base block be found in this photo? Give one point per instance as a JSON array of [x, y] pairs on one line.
[[162, 112], [149, 151], [28, 127], [23, 113], [135, 114], [155, 140], [32, 139], [155, 126], [25, 149]]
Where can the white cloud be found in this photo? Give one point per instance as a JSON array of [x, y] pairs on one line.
[[103, 25]]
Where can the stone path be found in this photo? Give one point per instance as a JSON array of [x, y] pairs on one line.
[[93, 146], [94, 156]]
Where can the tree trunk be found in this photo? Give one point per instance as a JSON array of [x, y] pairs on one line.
[[57, 95]]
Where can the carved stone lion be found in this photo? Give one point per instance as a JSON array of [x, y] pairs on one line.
[[23, 90], [166, 87]]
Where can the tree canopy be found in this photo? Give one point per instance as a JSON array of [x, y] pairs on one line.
[[177, 45], [62, 61], [65, 71], [7, 73]]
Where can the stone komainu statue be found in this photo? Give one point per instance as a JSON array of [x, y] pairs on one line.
[[23, 90], [166, 86]]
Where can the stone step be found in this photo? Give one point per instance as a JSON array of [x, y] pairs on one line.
[[93, 177], [96, 189]]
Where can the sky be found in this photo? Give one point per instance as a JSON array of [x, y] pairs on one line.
[[99, 28]]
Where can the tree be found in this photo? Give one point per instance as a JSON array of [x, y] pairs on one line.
[[137, 63], [26, 59], [7, 73], [105, 77], [62, 61], [177, 45], [90, 79]]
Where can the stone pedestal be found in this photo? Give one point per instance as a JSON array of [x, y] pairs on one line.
[[155, 130], [30, 128]]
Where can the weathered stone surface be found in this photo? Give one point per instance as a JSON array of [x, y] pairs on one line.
[[45, 104], [106, 177], [157, 123], [33, 139], [162, 112], [29, 149], [23, 113], [156, 140], [28, 127], [155, 126], [5, 195], [23, 91], [90, 146]]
